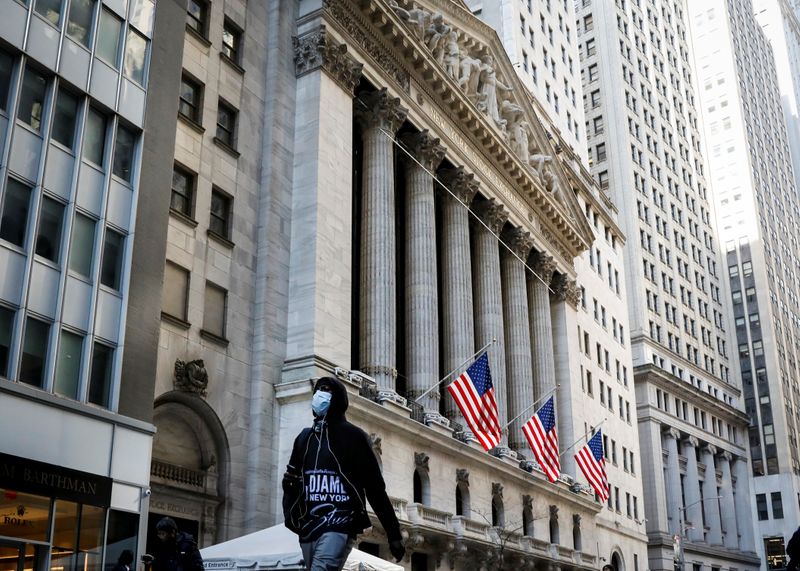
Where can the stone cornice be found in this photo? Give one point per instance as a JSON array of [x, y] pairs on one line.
[[316, 49]]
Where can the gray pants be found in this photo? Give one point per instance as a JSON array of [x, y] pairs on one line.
[[328, 552]]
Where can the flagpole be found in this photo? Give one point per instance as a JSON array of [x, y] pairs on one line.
[[533, 404], [581, 438], [447, 376]]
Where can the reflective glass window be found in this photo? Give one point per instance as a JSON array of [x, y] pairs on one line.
[[50, 9], [124, 148], [214, 310], [100, 376], [14, 222], [68, 365], [64, 118], [31, 98], [219, 221], [26, 516], [135, 56], [79, 22], [48, 236], [34, 352], [94, 138], [82, 246], [6, 67], [108, 37], [111, 271]]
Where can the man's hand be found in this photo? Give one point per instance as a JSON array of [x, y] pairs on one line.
[[397, 549]]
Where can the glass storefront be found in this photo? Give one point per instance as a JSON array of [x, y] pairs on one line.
[[71, 528]]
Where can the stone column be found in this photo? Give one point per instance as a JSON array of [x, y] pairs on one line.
[[458, 324], [673, 481], [729, 524], [380, 116], [421, 288], [488, 303], [517, 334], [691, 491], [710, 491], [564, 302], [544, 370], [743, 505], [319, 296]]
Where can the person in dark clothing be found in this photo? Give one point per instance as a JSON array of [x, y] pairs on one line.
[[793, 551], [124, 561], [177, 551], [331, 474]]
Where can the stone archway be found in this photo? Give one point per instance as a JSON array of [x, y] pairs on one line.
[[190, 466], [617, 562]]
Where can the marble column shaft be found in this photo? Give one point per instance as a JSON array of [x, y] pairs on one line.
[[743, 506], [421, 288], [517, 334], [673, 481], [691, 491], [727, 507], [458, 324], [488, 298], [710, 491], [540, 323], [378, 115]]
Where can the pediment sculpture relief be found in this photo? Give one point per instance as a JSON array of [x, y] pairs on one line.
[[472, 66], [191, 376]]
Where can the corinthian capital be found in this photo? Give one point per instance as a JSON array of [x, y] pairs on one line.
[[543, 266], [492, 213], [425, 148], [461, 183], [379, 109], [565, 289], [317, 49], [519, 241]]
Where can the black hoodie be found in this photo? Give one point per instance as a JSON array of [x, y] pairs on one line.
[[331, 474]]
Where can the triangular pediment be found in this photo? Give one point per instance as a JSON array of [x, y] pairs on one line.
[[470, 53]]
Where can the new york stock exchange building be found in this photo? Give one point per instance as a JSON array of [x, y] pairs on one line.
[[433, 212]]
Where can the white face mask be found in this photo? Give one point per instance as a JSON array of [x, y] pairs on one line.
[[321, 402]]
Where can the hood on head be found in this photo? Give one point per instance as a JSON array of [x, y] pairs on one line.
[[339, 400]]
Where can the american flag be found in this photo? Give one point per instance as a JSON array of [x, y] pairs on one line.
[[593, 465], [541, 433], [474, 395]]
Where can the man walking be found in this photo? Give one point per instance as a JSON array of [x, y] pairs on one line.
[[331, 474], [176, 551]]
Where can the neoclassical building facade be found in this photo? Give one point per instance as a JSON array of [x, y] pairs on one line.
[[399, 204]]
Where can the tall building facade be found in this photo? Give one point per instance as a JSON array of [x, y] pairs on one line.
[[644, 147], [393, 205], [597, 349], [756, 199], [83, 131]]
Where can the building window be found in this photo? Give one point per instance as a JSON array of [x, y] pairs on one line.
[[108, 36], [82, 246], [14, 222], [761, 506], [31, 98], [183, 187], [113, 251], [226, 124], [219, 222], [48, 237], [50, 10], [68, 365], [197, 16], [190, 105], [214, 310], [775, 551], [175, 297], [100, 375], [6, 330], [79, 26], [124, 149], [34, 352], [777, 505], [94, 138], [232, 42], [6, 67], [66, 111], [135, 56]]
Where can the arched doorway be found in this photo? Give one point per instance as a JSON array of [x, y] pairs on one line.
[[189, 468], [617, 562]]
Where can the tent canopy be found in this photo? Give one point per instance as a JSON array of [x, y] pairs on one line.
[[277, 548]]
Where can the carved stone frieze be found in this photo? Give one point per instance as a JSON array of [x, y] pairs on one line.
[[461, 183], [492, 213], [190, 376], [317, 49], [363, 34], [543, 266], [425, 148], [381, 110]]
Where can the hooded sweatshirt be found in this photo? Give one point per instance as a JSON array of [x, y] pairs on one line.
[[332, 472]]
